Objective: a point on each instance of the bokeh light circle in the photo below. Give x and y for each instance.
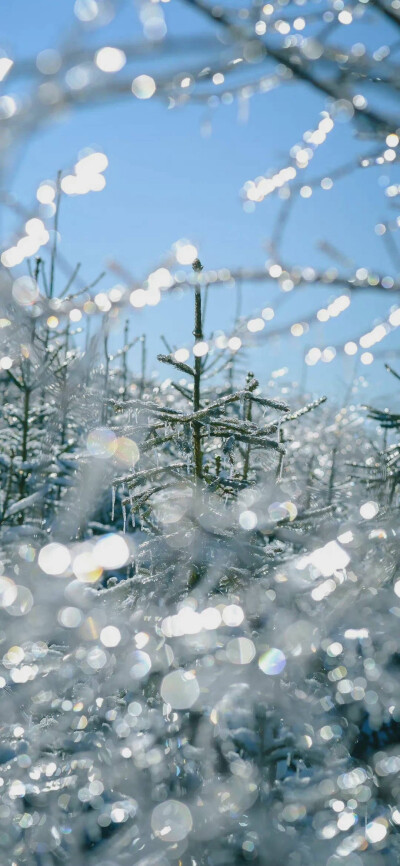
(272, 662)
(171, 821)
(180, 689)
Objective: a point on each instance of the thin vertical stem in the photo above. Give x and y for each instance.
(7, 493)
(204, 305)
(331, 485)
(64, 393)
(231, 372)
(106, 375)
(143, 366)
(310, 483)
(125, 360)
(87, 347)
(198, 335)
(55, 229)
(280, 463)
(247, 417)
(392, 489)
(24, 447)
(25, 424)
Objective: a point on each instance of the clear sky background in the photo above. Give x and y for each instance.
(168, 180)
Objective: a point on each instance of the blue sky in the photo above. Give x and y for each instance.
(166, 180)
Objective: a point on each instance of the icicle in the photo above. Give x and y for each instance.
(113, 494)
(124, 515)
(132, 508)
